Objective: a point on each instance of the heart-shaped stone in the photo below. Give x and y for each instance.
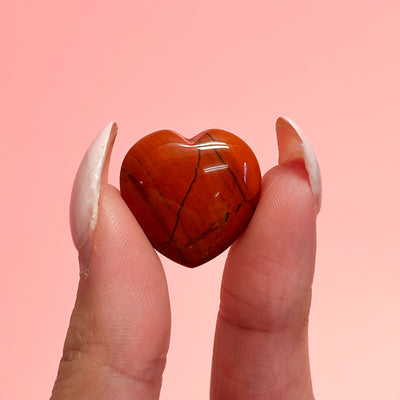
(192, 197)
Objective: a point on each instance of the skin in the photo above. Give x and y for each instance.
(118, 337)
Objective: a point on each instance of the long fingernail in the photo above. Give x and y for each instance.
(84, 205)
(294, 145)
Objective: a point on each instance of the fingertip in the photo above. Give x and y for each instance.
(261, 336)
(119, 237)
(286, 206)
(286, 190)
(271, 267)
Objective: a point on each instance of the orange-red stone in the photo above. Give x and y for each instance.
(192, 197)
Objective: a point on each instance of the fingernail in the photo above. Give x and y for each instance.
(84, 205)
(294, 145)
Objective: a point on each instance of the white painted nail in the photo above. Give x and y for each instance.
(84, 205)
(292, 145)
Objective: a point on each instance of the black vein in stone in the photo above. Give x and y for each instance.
(131, 177)
(157, 217)
(183, 201)
(150, 177)
(159, 220)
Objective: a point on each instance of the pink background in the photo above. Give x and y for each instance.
(333, 67)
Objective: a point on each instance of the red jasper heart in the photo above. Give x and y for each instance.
(192, 197)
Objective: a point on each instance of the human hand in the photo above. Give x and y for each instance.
(118, 337)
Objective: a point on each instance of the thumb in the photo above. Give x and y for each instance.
(118, 337)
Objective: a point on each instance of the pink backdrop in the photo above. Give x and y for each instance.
(333, 67)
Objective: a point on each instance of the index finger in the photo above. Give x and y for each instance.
(261, 345)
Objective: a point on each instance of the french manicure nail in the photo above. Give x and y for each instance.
(292, 145)
(92, 171)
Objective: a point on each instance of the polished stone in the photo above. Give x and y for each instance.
(192, 197)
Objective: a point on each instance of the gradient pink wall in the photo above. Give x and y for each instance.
(333, 67)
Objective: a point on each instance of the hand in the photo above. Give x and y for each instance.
(118, 336)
